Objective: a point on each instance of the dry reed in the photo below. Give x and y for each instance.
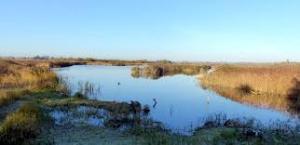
(269, 84)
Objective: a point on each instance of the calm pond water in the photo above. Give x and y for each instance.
(182, 103)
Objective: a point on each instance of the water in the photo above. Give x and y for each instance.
(182, 104)
(79, 115)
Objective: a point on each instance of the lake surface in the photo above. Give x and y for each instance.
(182, 104)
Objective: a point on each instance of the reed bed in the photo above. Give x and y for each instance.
(262, 85)
(14, 75)
(17, 77)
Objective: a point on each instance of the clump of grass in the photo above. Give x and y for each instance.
(136, 72)
(158, 70)
(21, 126)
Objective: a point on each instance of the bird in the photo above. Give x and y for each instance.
(155, 102)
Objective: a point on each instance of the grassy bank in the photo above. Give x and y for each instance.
(220, 130)
(266, 85)
(18, 80)
(220, 135)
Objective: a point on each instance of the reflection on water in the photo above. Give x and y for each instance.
(80, 115)
(293, 97)
(176, 101)
(156, 71)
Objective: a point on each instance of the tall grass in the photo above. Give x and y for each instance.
(16, 78)
(263, 85)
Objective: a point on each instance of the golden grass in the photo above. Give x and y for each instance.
(16, 77)
(21, 126)
(269, 84)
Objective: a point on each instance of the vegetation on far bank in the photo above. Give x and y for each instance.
(268, 85)
(47, 62)
(155, 71)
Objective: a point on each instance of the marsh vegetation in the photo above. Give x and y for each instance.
(37, 107)
(156, 71)
(267, 85)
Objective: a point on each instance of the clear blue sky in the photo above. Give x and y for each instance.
(195, 30)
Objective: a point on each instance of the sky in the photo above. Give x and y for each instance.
(180, 30)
